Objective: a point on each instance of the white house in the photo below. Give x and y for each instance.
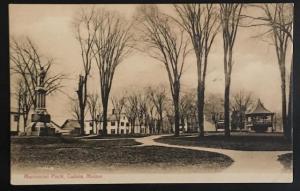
(124, 126)
(16, 122)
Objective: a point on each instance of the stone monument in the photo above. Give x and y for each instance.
(40, 120)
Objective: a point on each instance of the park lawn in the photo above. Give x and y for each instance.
(109, 155)
(286, 160)
(237, 141)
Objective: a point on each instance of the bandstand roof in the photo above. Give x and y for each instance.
(260, 110)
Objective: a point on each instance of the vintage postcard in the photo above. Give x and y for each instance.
(151, 93)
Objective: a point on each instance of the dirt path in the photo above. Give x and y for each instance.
(254, 164)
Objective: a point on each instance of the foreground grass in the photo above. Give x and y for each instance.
(237, 141)
(111, 155)
(286, 160)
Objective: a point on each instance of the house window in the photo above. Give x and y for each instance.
(127, 124)
(16, 117)
(112, 123)
(127, 131)
(122, 131)
(113, 131)
(124, 117)
(122, 123)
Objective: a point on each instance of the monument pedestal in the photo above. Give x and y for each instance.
(40, 120)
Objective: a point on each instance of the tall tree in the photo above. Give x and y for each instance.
(278, 18)
(94, 109)
(166, 45)
(113, 43)
(118, 104)
(230, 15)
(158, 97)
(131, 110)
(85, 33)
(201, 22)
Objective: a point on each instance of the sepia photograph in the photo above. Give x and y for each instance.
(151, 93)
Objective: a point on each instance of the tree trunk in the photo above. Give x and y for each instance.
(132, 126)
(200, 107)
(283, 107)
(118, 127)
(104, 103)
(290, 113)
(226, 106)
(176, 107)
(93, 129)
(160, 122)
(25, 118)
(176, 120)
(81, 120)
(18, 123)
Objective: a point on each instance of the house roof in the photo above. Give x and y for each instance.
(260, 109)
(71, 123)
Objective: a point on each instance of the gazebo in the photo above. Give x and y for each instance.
(260, 119)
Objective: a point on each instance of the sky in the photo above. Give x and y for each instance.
(49, 26)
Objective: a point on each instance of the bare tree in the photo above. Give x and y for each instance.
(230, 15)
(170, 114)
(74, 108)
(26, 63)
(158, 97)
(131, 110)
(24, 103)
(142, 109)
(113, 43)
(214, 107)
(151, 117)
(242, 102)
(201, 22)
(85, 33)
(167, 46)
(94, 108)
(118, 104)
(278, 19)
(187, 106)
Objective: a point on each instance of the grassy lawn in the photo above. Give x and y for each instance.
(286, 160)
(109, 155)
(237, 141)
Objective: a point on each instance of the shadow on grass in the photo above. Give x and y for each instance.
(237, 141)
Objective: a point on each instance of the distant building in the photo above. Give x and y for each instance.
(16, 122)
(71, 127)
(124, 126)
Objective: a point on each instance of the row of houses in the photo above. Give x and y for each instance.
(72, 127)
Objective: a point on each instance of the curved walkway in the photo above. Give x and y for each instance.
(245, 162)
